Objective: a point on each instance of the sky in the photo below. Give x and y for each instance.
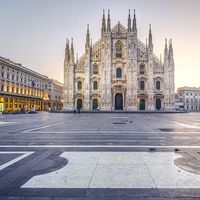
(34, 32)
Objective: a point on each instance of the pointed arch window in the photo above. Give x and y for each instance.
(142, 69)
(95, 85)
(119, 72)
(157, 85)
(119, 49)
(79, 85)
(95, 69)
(142, 85)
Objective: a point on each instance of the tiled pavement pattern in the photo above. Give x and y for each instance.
(146, 130)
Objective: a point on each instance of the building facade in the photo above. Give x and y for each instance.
(21, 89)
(189, 97)
(119, 72)
(55, 94)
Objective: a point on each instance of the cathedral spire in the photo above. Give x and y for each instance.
(67, 51)
(103, 27)
(171, 54)
(150, 37)
(129, 21)
(108, 22)
(166, 55)
(160, 59)
(146, 44)
(91, 42)
(165, 43)
(87, 43)
(77, 58)
(134, 23)
(72, 50)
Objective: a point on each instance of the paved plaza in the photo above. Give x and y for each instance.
(106, 156)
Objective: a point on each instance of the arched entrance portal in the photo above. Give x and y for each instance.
(142, 104)
(119, 101)
(94, 104)
(79, 104)
(158, 104)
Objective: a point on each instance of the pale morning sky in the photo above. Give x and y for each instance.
(33, 32)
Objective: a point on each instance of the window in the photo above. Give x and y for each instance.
(12, 89)
(95, 85)
(142, 86)
(2, 88)
(142, 69)
(13, 77)
(95, 69)
(8, 89)
(7, 76)
(79, 85)
(2, 74)
(118, 48)
(119, 72)
(157, 85)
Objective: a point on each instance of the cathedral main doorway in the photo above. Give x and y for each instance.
(79, 104)
(158, 104)
(118, 101)
(142, 104)
(94, 104)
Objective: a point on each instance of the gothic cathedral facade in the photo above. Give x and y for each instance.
(119, 72)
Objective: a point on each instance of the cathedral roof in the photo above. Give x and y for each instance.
(119, 28)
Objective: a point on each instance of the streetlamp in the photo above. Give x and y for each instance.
(33, 85)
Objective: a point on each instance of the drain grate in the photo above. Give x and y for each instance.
(166, 129)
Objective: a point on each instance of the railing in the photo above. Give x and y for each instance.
(119, 80)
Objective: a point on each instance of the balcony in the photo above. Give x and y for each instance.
(158, 91)
(119, 80)
(142, 91)
(142, 76)
(79, 92)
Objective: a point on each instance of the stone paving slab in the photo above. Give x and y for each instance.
(117, 170)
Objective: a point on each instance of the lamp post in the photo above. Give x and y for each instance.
(33, 85)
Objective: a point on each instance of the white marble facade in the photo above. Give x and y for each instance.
(119, 72)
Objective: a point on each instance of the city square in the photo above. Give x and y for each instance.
(99, 100)
(100, 156)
